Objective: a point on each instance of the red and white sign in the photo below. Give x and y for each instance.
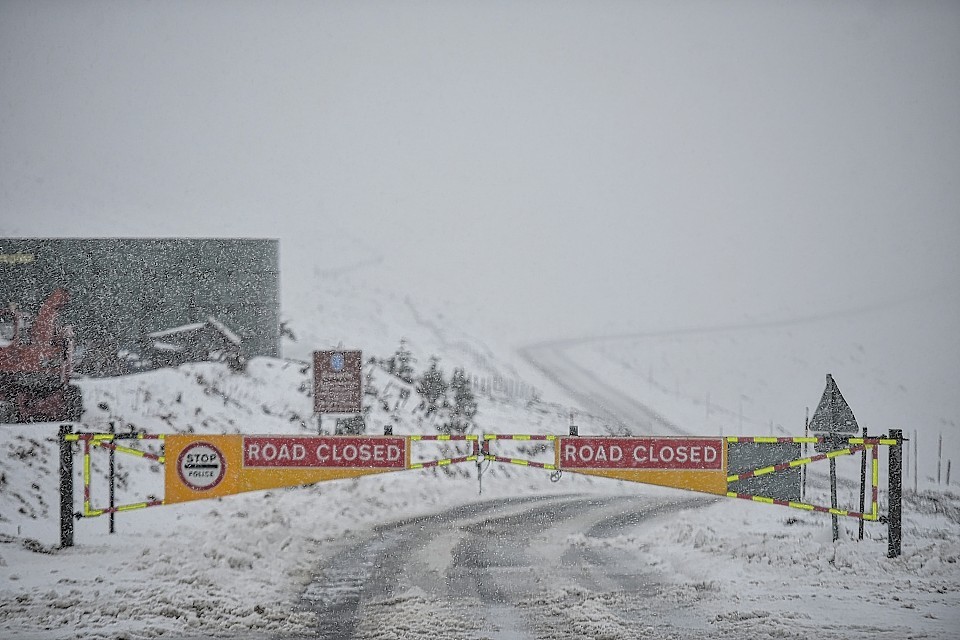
(364, 452)
(686, 454)
(201, 466)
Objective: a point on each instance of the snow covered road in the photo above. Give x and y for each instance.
(512, 570)
(517, 569)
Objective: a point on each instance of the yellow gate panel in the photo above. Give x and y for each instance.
(714, 482)
(210, 466)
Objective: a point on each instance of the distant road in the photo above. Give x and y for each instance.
(935, 292)
(629, 414)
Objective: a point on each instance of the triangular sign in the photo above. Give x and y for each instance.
(833, 414)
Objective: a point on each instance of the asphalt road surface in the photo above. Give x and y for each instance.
(525, 568)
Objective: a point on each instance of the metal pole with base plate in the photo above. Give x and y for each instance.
(112, 473)
(833, 498)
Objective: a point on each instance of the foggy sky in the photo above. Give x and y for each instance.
(571, 167)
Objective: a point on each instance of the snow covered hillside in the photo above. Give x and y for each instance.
(236, 567)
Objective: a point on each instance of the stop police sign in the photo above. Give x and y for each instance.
(641, 453)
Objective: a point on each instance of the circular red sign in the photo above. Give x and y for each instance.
(201, 466)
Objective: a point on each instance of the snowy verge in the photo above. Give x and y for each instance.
(763, 571)
(234, 566)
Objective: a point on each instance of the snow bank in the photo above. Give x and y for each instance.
(764, 571)
(232, 566)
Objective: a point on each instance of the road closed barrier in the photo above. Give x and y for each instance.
(198, 467)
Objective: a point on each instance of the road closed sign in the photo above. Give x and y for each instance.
(282, 452)
(218, 465)
(695, 464)
(642, 453)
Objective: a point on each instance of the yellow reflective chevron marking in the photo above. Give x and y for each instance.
(107, 437)
(441, 463)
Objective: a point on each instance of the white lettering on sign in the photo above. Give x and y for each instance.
(324, 451)
(359, 453)
(17, 258)
(681, 454)
(643, 453)
(269, 452)
(587, 453)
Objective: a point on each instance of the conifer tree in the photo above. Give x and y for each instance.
(402, 362)
(432, 388)
(464, 404)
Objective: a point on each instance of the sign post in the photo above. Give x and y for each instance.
(337, 383)
(833, 499)
(834, 420)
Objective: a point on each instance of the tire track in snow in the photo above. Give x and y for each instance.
(489, 570)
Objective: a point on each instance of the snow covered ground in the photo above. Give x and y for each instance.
(748, 571)
(236, 567)
(233, 566)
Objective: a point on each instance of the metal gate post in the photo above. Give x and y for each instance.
(894, 530)
(66, 487)
(806, 446)
(113, 480)
(863, 484)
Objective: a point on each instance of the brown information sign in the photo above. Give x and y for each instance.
(337, 381)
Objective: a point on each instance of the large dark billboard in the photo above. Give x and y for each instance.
(132, 298)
